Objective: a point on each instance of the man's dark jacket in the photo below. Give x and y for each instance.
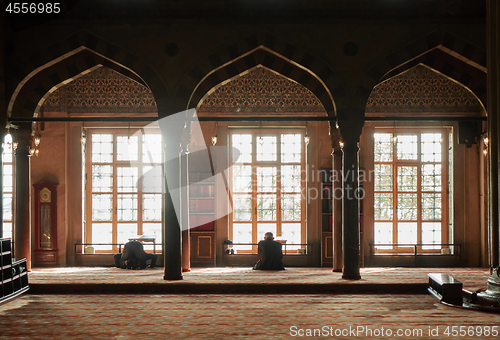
(270, 255)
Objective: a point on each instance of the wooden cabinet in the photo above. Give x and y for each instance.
(45, 223)
(203, 248)
(14, 275)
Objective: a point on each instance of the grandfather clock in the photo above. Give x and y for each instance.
(45, 224)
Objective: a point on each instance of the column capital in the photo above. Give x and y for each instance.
(23, 139)
(335, 139)
(350, 130)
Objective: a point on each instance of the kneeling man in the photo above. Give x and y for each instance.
(134, 256)
(270, 254)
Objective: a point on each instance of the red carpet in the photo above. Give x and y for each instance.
(84, 280)
(232, 316)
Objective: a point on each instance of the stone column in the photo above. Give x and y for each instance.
(172, 249)
(350, 132)
(493, 65)
(186, 246)
(337, 201)
(22, 201)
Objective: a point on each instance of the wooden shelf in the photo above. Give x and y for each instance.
(326, 218)
(13, 274)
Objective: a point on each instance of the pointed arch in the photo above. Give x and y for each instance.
(38, 76)
(444, 52)
(271, 52)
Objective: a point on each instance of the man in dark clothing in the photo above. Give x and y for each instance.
(270, 254)
(134, 256)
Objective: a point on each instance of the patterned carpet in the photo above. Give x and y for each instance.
(237, 316)
(48, 312)
(105, 280)
(94, 275)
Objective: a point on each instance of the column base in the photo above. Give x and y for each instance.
(173, 278)
(337, 270)
(351, 277)
(186, 270)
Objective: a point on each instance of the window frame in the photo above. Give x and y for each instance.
(278, 163)
(12, 164)
(115, 164)
(418, 163)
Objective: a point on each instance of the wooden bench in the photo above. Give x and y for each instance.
(445, 288)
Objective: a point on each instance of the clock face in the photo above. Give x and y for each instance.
(45, 195)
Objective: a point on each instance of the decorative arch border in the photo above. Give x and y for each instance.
(49, 69)
(472, 78)
(271, 52)
(425, 51)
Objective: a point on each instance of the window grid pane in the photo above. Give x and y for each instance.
(7, 230)
(266, 207)
(152, 178)
(383, 147)
(127, 207)
(290, 178)
(127, 148)
(383, 207)
(383, 177)
(407, 207)
(7, 178)
(267, 148)
(291, 148)
(242, 233)
(242, 178)
(102, 233)
(102, 148)
(242, 142)
(291, 207)
(7, 207)
(407, 233)
(431, 234)
(266, 179)
(102, 207)
(127, 179)
(406, 147)
(431, 147)
(291, 232)
(383, 234)
(102, 178)
(126, 231)
(407, 178)
(431, 206)
(242, 207)
(431, 177)
(151, 207)
(151, 148)
(154, 230)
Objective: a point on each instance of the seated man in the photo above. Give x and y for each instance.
(134, 256)
(270, 254)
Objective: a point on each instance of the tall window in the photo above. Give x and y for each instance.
(267, 183)
(410, 189)
(8, 178)
(119, 205)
